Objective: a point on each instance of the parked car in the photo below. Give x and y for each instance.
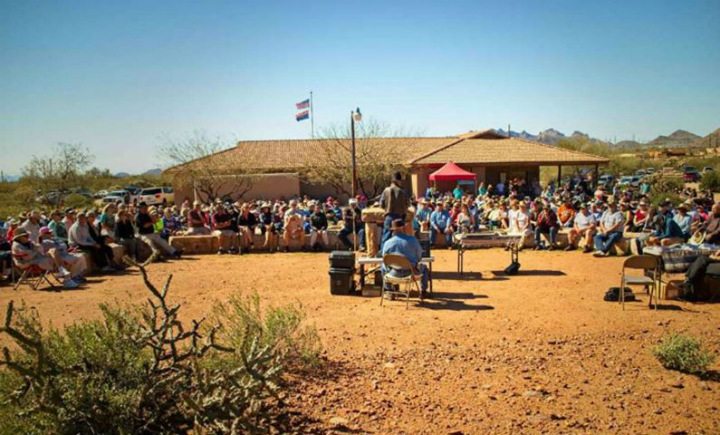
(606, 179)
(649, 171)
(641, 173)
(691, 175)
(707, 169)
(110, 199)
(156, 195)
(625, 180)
(118, 196)
(101, 194)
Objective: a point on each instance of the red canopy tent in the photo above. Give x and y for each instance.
(452, 172)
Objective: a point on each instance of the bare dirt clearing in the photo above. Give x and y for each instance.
(537, 352)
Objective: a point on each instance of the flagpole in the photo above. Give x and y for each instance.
(312, 118)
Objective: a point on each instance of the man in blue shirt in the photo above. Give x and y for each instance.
(409, 247)
(440, 224)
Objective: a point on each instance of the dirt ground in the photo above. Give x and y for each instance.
(536, 352)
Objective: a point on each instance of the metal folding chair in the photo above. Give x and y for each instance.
(647, 263)
(32, 275)
(397, 261)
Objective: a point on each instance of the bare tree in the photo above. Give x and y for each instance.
(378, 154)
(209, 165)
(59, 171)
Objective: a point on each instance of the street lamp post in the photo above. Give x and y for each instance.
(355, 116)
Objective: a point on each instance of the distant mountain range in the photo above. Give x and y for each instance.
(710, 141)
(155, 171)
(677, 139)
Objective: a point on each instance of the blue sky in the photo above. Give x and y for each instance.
(118, 75)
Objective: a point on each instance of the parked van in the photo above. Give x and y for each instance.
(156, 195)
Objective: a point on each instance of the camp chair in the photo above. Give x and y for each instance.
(33, 275)
(397, 261)
(647, 263)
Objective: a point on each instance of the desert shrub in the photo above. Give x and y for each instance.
(683, 353)
(710, 181)
(139, 370)
(281, 328)
(75, 200)
(667, 185)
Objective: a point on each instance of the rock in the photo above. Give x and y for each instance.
(704, 386)
(389, 365)
(339, 421)
(678, 384)
(532, 393)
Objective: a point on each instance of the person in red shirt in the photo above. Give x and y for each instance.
(547, 223)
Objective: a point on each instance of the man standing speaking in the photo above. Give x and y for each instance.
(395, 202)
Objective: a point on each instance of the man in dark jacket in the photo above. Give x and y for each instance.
(395, 201)
(318, 227)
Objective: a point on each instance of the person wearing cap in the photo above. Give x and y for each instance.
(421, 221)
(409, 247)
(197, 224)
(440, 224)
(352, 221)
(26, 254)
(395, 201)
(145, 223)
(610, 229)
(32, 226)
(57, 226)
(584, 225)
(58, 251)
(682, 218)
(666, 231)
(80, 237)
(319, 226)
(69, 219)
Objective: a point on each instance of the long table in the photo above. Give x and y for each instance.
(376, 262)
(488, 239)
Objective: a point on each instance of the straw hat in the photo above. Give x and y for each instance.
(21, 232)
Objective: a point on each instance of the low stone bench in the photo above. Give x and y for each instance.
(195, 244)
(208, 244)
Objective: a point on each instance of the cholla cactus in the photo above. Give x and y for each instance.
(159, 376)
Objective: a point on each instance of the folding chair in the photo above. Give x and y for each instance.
(397, 261)
(33, 275)
(647, 263)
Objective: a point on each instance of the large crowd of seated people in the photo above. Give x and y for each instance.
(595, 218)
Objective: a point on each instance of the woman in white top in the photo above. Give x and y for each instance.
(520, 223)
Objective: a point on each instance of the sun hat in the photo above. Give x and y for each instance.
(21, 232)
(45, 230)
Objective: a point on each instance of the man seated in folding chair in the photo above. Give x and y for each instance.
(409, 247)
(29, 258)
